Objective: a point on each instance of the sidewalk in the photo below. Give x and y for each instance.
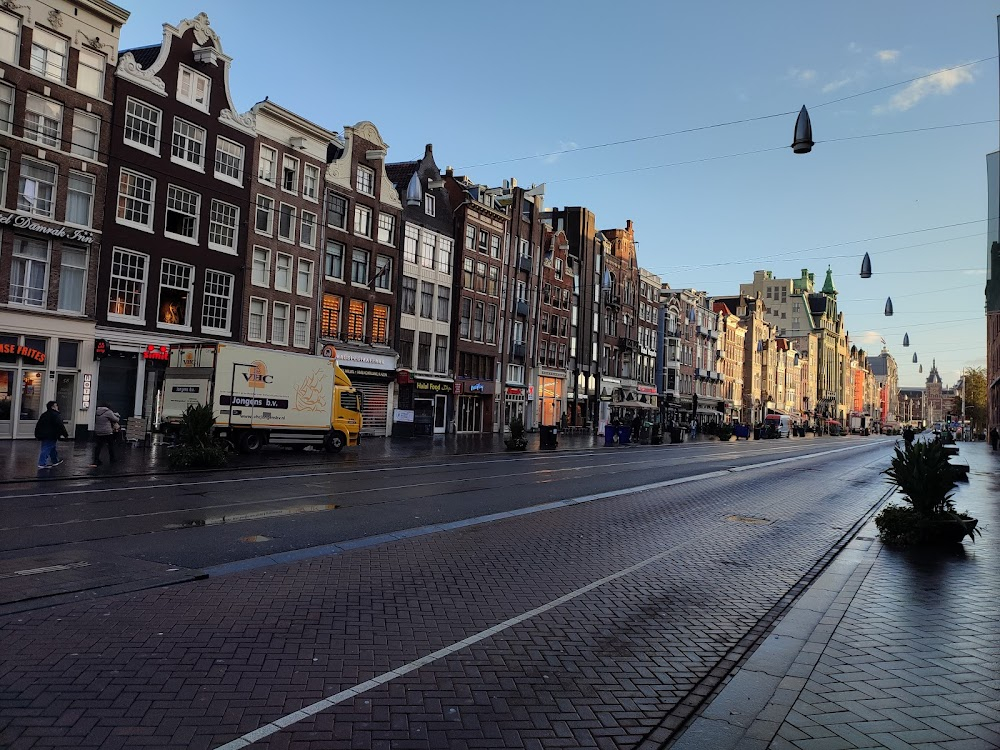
(887, 649)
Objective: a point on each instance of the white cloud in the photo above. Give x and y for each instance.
(834, 85)
(887, 55)
(801, 76)
(868, 337)
(853, 47)
(563, 147)
(942, 82)
(975, 272)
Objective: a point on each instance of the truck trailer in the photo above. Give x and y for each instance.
(262, 396)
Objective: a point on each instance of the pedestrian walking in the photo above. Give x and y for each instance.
(49, 429)
(694, 428)
(107, 425)
(994, 437)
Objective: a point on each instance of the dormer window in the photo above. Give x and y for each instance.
(429, 204)
(193, 88)
(365, 181)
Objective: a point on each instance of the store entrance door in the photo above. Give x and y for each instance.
(7, 380)
(440, 414)
(32, 406)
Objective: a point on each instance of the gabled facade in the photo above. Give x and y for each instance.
(648, 319)
(424, 308)
(56, 85)
(555, 329)
(360, 274)
(177, 211)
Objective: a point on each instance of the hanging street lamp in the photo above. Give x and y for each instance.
(906, 339)
(866, 267)
(803, 141)
(914, 358)
(888, 306)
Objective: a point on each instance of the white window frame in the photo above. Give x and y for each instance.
(286, 309)
(310, 182)
(172, 267)
(64, 275)
(430, 204)
(286, 209)
(285, 270)
(307, 238)
(22, 185)
(11, 27)
(383, 279)
(29, 261)
(364, 180)
(267, 155)
(343, 257)
(347, 208)
(362, 216)
(168, 208)
(125, 198)
(54, 122)
(6, 105)
(217, 229)
(99, 64)
(184, 140)
(390, 220)
(89, 179)
(80, 119)
(44, 59)
(304, 277)
(294, 171)
(301, 324)
(138, 112)
(264, 280)
(143, 286)
(266, 207)
(230, 155)
(213, 280)
(263, 320)
(188, 78)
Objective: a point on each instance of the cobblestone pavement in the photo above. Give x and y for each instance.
(578, 627)
(889, 649)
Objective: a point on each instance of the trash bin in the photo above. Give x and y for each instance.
(610, 434)
(624, 435)
(548, 435)
(676, 435)
(758, 433)
(656, 435)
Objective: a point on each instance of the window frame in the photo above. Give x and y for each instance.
(295, 173)
(99, 70)
(369, 182)
(286, 210)
(75, 146)
(143, 286)
(356, 266)
(311, 176)
(189, 307)
(271, 176)
(191, 97)
(387, 224)
(6, 107)
(73, 174)
(64, 277)
(38, 33)
(266, 210)
(184, 159)
(383, 273)
(240, 161)
(131, 106)
(15, 47)
(330, 197)
(212, 222)
(325, 310)
(279, 285)
(28, 262)
(408, 296)
(430, 204)
(305, 327)
(362, 215)
(287, 308)
(310, 241)
(310, 276)
(262, 336)
(191, 239)
(38, 134)
(265, 280)
(326, 259)
(207, 308)
(381, 315)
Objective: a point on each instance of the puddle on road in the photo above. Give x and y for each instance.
(746, 519)
(256, 515)
(255, 538)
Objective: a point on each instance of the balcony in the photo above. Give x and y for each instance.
(521, 308)
(524, 263)
(612, 300)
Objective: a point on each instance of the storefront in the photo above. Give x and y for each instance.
(473, 405)
(374, 375)
(515, 398)
(551, 401)
(131, 367)
(423, 405)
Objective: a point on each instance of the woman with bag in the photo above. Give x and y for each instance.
(107, 424)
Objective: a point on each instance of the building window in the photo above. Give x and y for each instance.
(359, 267)
(36, 187)
(264, 221)
(310, 181)
(183, 208)
(356, 320)
(406, 349)
(329, 324)
(408, 299)
(444, 255)
(228, 160)
(257, 321)
(48, 54)
(283, 272)
(362, 220)
(72, 279)
(29, 272)
(307, 233)
(300, 334)
(6, 99)
(477, 322)
(267, 164)
(468, 273)
(480, 276)
(387, 229)
(334, 268)
(430, 203)
(86, 139)
(90, 73)
(491, 324)
(142, 125)
(279, 323)
(444, 304)
(289, 173)
(218, 302)
(260, 269)
(559, 268)
(441, 354)
(193, 88)
(365, 181)
(286, 222)
(176, 287)
(135, 199)
(43, 120)
(470, 237)
(424, 351)
(410, 238)
(9, 28)
(222, 223)
(383, 273)
(336, 211)
(188, 145)
(484, 241)
(127, 293)
(380, 324)
(426, 300)
(493, 286)
(465, 318)
(304, 279)
(494, 247)
(427, 250)
(80, 199)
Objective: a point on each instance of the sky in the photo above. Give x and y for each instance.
(535, 89)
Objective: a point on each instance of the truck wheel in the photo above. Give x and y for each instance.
(251, 441)
(334, 442)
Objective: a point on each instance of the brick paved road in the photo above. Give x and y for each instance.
(198, 665)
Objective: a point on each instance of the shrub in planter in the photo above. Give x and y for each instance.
(197, 446)
(725, 432)
(516, 441)
(925, 478)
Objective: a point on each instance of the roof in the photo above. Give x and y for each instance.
(879, 365)
(144, 56)
(400, 173)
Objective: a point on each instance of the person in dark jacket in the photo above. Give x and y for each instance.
(49, 429)
(106, 423)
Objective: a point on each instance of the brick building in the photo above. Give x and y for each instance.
(554, 329)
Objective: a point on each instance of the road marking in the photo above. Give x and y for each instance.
(332, 700)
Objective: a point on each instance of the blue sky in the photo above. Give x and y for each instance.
(490, 82)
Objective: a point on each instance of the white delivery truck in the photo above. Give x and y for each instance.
(262, 396)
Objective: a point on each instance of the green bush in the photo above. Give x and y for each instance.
(197, 445)
(725, 432)
(904, 526)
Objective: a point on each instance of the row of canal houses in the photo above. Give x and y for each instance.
(141, 209)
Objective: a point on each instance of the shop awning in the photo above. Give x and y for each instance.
(635, 405)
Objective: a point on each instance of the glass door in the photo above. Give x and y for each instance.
(66, 396)
(7, 380)
(32, 405)
(440, 413)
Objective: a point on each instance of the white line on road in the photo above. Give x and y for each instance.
(304, 713)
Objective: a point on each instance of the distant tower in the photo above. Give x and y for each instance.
(828, 288)
(933, 400)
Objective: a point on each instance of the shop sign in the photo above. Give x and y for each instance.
(430, 386)
(101, 348)
(88, 380)
(650, 389)
(514, 391)
(368, 373)
(477, 388)
(456, 388)
(26, 222)
(23, 351)
(402, 415)
(157, 353)
(374, 361)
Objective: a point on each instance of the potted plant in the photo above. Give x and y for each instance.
(925, 478)
(516, 441)
(725, 432)
(197, 446)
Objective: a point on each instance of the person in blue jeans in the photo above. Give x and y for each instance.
(49, 429)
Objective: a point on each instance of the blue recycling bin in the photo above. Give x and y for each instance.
(624, 435)
(610, 433)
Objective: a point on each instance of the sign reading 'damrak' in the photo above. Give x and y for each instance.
(26, 222)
